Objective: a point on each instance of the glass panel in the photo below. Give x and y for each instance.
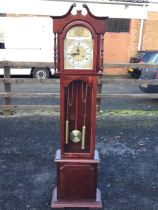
(78, 49)
(117, 25)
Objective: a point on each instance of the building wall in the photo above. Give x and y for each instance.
(119, 47)
(150, 35)
(116, 50)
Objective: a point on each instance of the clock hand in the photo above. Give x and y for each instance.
(74, 54)
(78, 50)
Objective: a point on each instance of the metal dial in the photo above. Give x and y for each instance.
(78, 54)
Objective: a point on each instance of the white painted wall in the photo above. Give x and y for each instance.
(60, 8)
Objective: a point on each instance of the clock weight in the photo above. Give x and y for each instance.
(84, 100)
(69, 105)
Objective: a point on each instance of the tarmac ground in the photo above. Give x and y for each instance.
(127, 174)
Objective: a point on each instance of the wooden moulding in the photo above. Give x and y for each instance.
(59, 159)
(93, 204)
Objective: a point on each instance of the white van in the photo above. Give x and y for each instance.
(28, 55)
(28, 39)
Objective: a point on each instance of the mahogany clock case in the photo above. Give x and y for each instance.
(78, 59)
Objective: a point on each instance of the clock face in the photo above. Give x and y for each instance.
(78, 50)
(78, 54)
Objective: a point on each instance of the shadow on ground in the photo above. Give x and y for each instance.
(128, 172)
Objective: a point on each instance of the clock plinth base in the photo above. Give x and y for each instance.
(76, 183)
(90, 203)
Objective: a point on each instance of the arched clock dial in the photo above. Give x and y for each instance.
(78, 49)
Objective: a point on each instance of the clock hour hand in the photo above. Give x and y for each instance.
(74, 54)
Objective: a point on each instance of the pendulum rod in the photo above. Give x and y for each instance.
(76, 111)
(84, 100)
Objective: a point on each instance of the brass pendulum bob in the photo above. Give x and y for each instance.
(75, 136)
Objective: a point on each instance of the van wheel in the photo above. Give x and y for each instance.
(40, 73)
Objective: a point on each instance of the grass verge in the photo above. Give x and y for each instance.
(117, 112)
(128, 112)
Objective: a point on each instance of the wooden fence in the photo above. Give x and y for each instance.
(7, 81)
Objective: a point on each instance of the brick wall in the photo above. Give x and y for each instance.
(119, 47)
(150, 35)
(116, 50)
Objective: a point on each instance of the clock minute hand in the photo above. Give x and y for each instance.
(78, 50)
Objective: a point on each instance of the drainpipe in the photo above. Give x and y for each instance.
(140, 34)
(140, 38)
(2, 45)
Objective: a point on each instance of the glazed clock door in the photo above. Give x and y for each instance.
(78, 131)
(78, 49)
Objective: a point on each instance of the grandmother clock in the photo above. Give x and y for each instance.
(78, 59)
